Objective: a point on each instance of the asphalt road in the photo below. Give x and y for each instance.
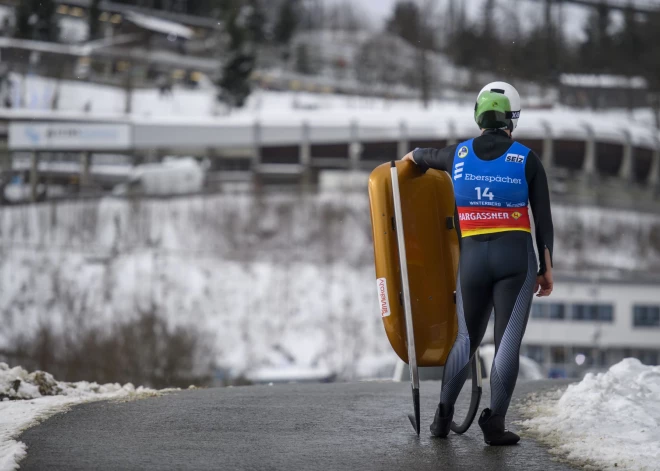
(356, 426)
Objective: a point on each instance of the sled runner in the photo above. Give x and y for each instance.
(416, 253)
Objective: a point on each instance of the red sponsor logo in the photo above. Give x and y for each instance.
(483, 215)
(484, 219)
(383, 298)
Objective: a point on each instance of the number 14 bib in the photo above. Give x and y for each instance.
(491, 196)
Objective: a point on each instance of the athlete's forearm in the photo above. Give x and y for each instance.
(544, 243)
(544, 230)
(539, 200)
(545, 281)
(438, 159)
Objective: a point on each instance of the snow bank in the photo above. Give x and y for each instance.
(28, 398)
(610, 420)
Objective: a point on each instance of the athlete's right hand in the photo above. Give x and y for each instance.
(545, 281)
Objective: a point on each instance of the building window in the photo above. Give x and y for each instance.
(649, 357)
(558, 355)
(593, 312)
(548, 311)
(646, 316)
(535, 352)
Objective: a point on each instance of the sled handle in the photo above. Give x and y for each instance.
(405, 285)
(405, 288)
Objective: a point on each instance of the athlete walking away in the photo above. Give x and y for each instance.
(494, 179)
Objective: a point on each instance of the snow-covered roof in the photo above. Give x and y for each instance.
(602, 81)
(285, 126)
(188, 122)
(290, 374)
(45, 47)
(73, 30)
(159, 25)
(84, 49)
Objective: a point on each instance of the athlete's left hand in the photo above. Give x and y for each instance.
(545, 283)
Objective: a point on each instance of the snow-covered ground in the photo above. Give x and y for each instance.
(610, 421)
(33, 92)
(29, 398)
(281, 280)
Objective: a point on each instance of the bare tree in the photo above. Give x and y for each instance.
(379, 60)
(411, 22)
(345, 16)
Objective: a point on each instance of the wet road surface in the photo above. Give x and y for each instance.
(361, 426)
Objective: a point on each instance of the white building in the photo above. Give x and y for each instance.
(588, 325)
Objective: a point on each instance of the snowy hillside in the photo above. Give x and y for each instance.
(279, 280)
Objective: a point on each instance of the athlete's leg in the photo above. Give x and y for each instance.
(473, 307)
(513, 257)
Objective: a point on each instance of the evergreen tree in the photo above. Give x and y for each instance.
(553, 47)
(235, 86)
(35, 19)
(489, 57)
(240, 59)
(313, 16)
(256, 22)
(595, 52)
(47, 26)
(513, 41)
(532, 61)
(488, 29)
(649, 62)
(464, 44)
(406, 22)
(23, 12)
(540, 54)
(287, 21)
(630, 44)
(378, 61)
(94, 23)
(410, 24)
(344, 16)
(302, 64)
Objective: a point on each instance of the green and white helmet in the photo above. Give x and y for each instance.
(497, 107)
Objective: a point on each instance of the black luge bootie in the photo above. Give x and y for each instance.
(442, 421)
(494, 432)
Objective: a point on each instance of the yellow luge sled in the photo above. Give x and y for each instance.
(416, 253)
